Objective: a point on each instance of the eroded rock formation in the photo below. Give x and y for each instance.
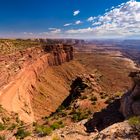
(19, 73)
(130, 102)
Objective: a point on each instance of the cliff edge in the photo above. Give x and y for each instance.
(130, 101)
(19, 73)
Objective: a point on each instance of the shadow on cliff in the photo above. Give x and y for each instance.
(105, 118)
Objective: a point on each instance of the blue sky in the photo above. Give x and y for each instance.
(56, 18)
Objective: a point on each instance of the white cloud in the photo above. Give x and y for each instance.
(123, 18)
(90, 19)
(76, 12)
(56, 31)
(52, 28)
(67, 24)
(53, 31)
(27, 33)
(78, 22)
(96, 23)
(77, 31)
(120, 21)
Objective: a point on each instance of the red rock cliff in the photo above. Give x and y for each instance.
(19, 72)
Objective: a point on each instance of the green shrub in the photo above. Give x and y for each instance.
(43, 130)
(2, 127)
(118, 94)
(22, 133)
(134, 120)
(78, 116)
(57, 125)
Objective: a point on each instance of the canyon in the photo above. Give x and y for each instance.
(62, 90)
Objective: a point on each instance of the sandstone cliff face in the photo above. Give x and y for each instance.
(19, 73)
(130, 102)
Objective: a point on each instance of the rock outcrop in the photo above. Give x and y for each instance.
(60, 53)
(19, 73)
(130, 101)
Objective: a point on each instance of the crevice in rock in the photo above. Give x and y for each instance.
(77, 87)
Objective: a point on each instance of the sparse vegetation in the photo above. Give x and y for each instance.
(22, 133)
(57, 125)
(79, 115)
(42, 130)
(2, 127)
(8, 46)
(118, 94)
(135, 120)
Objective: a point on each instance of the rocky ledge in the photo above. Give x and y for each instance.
(130, 101)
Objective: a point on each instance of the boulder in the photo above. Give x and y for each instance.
(130, 101)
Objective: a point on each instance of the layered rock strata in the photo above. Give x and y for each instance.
(19, 73)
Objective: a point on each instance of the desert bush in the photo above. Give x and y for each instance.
(118, 94)
(135, 120)
(2, 127)
(22, 133)
(57, 125)
(79, 115)
(135, 124)
(43, 130)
